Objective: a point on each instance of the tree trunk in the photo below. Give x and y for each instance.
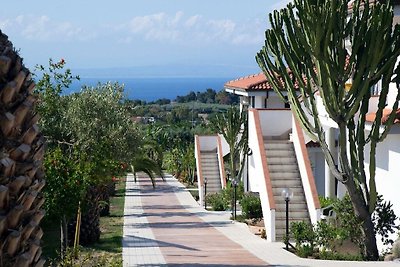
(370, 248)
(90, 221)
(21, 159)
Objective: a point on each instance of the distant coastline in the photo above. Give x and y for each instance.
(153, 88)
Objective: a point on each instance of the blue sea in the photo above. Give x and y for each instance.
(150, 89)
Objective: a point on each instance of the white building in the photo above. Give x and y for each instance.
(270, 168)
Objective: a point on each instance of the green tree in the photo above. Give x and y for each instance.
(65, 178)
(104, 136)
(309, 38)
(51, 81)
(233, 126)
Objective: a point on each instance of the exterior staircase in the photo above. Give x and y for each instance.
(210, 170)
(284, 173)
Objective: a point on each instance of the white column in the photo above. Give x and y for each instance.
(329, 178)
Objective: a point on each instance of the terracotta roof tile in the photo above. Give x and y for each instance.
(256, 82)
(370, 117)
(251, 82)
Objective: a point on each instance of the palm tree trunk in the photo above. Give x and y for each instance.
(21, 157)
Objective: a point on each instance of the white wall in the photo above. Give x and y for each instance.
(225, 146)
(275, 122)
(388, 171)
(255, 167)
(208, 142)
(257, 181)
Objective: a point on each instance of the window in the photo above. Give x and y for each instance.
(253, 101)
(287, 105)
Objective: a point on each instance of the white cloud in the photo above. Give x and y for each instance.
(43, 28)
(144, 23)
(174, 28)
(192, 21)
(178, 28)
(281, 4)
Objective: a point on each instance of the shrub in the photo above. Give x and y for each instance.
(251, 206)
(325, 201)
(346, 222)
(326, 235)
(216, 200)
(303, 234)
(384, 220)
(228, 191)
(224, 199)
(329, 255)
(305, 251)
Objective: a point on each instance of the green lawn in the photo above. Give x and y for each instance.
(106, 252)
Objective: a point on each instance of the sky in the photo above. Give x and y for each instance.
(88, 34)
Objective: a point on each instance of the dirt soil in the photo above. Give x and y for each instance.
(255, 226)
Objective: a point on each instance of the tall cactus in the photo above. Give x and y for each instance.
(318, 46)
(21, 154)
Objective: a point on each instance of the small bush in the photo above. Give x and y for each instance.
(251, 206)
(228, 192)
(347, 223)
(384, 220)
(305, 251)
(325, 201)
(216, 201)
(329, 255)
(303, 234)
(326, 235)
(224, 199)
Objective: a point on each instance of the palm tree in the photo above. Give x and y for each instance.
(149, 159)
(21, 156)
(233, 126)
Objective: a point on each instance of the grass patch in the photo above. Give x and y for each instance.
(106, 252)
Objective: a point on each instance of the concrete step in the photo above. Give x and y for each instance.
(280, 217)
(279, 153)
(213, 184)
(213, 189)
(278, 146)
(296, 199)
(208, 156)
(286, 183)
(211, 176)
(291, 168)
(209, 162)
(206, 169)
(281, 160)
(297, 191)
(292, 206)
(286, 175)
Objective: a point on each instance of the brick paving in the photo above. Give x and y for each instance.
(160, 231)
(167, 227)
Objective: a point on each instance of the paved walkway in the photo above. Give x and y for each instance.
(166, 227)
